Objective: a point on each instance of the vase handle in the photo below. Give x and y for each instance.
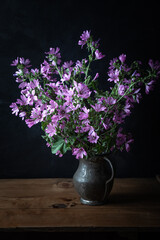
(112, 175)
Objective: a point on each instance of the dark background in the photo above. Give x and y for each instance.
(28, 29)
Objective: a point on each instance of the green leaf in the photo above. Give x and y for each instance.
(43, 125)
(134, 97)
(57, 145)
(60, 145)
(65, 148)
(72, 139)
(90, 57)
(44, 137)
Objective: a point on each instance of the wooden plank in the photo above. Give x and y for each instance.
(54, 204)
(63, 218)
(43, 193)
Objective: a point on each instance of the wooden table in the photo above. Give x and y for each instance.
(53, 205)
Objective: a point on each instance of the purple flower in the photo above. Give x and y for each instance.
(35, 84)
(135, 74)
(113, 76)
(15, 109)
(54, 56)
(45, 69)
(84, 37)
(33, 97)
(23, 85)
(138, 95)
(27, 97)
(126, 68)
(55, 86)
(59, 153)
(121, 90)
(60, 90)
(79, 152)
(68, 95)
(82, 89)
(66, 77)
(84, 115)
(127, 81)
(79, 66)
(39, 113)
(151, 63)
(127, 144)
(149, 86)
(35, 71)
(29, 122)
(96, 43)
(67, 64)
(36, 115)
(60, 96)
(122, 58)
(98, 107)
(85, 127)
(73, 106)
(24, 100)
(127, 109)
(154, 65)
(51, 129)
(22, 115)
(55, 52)
(96, 76)
(19, 79)
(110, 100)
(25, 62)
(19, 73)
(93, 137)
(55, 119)
(106, 124)
(48, 144)
(15, 62)
(53, 105)
(21, 61)
(112, 62)
(63, 112)
(98, 54)
(62, 125)
(121, 138)
(118, 117)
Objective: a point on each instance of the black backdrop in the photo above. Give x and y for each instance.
(28, 29)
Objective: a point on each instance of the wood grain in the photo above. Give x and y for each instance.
(53, 204)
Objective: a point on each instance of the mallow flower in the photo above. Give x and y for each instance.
(79, 152)
(74, 113)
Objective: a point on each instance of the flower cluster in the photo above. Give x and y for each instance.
(73, 112)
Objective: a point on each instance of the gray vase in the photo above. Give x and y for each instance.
(93, 180)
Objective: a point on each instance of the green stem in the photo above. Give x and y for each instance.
(126, 92)
(90, 59)
(86, 73)
(58, 71)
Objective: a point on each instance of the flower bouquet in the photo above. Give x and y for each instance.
(74, 113)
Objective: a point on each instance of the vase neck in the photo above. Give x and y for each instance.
(95, 158)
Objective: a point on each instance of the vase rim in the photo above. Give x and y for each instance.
(94, 158)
